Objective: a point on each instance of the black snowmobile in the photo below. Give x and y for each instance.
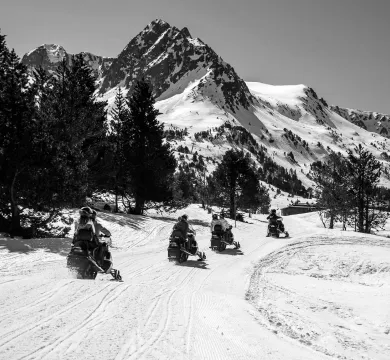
(220, 239)
(276, 228)
(179, 249)
(86, 262)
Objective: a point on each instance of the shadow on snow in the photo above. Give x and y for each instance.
(233, 252)
(59, 246)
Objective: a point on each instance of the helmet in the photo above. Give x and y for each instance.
(215, 217)
(273, 211)
(85, 211)
(179, 218)
(184, 217)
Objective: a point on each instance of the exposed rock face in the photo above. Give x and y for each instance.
(48, 56)
(167, 57)
(368, 120)
(195, 88)
(170, 59)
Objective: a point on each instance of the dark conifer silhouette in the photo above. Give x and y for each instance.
(149, 161)
(237, 183)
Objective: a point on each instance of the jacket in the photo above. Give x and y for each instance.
(183, 227)
(272, 218)
(89, 226)
(225, 225)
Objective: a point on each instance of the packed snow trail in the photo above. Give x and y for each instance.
(162, 310)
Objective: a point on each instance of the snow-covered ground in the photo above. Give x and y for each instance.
(322, 294)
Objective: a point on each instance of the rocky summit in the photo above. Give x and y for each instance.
(197, 91)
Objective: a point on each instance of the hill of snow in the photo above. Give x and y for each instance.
(197, 90)
(368, 120)
(322, 294)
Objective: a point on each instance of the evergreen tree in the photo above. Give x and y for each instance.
(120, 114)
(50, 132)
(72, 124)
(150, 164)
(16, 131)
(236, 183)
(365, 172)
(333, 185)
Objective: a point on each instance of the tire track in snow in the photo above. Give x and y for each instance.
(212, 348)
(45, 297)
(94, 318)
(168, 311)
(288, 325)
(166, 314)
(8, 281)
(16, 333)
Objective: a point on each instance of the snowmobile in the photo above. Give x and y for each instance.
(277, 228)
(85, 262)
(220, 239)
(179, 249)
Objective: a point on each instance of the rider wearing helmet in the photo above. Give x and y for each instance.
(272, 219)
(85, 232)
(84, 222)
(182, 226)
(221, 221)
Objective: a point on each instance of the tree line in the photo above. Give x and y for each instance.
(348, 191)
(57, 147)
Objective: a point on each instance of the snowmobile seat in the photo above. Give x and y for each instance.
(177, 233)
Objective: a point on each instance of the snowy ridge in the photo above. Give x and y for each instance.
(368, 120)
(196, 89)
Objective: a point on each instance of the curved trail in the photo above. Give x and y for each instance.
(162, 310)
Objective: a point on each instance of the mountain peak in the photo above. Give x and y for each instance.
(185, 32)
(54, 52)
(157, 26)
(159, 22)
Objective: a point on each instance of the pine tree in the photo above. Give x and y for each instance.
(16, 128)
(120, 115)
(73, 129)
(149, 161)
(237, 183)
(333, 183)
(365, 172)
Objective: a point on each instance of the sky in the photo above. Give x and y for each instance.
(338, 47)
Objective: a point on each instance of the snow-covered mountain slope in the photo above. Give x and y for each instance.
(369, 120)
(317, 296)
(172, 61)
(198, 91)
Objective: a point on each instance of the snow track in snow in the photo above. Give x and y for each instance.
(194, 310)
(327, 293)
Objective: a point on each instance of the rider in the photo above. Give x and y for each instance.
(85, 223)
(182, 226)
(103, 248)
(221, 221)
(272, 219)
(225, 226)
(99, 228)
